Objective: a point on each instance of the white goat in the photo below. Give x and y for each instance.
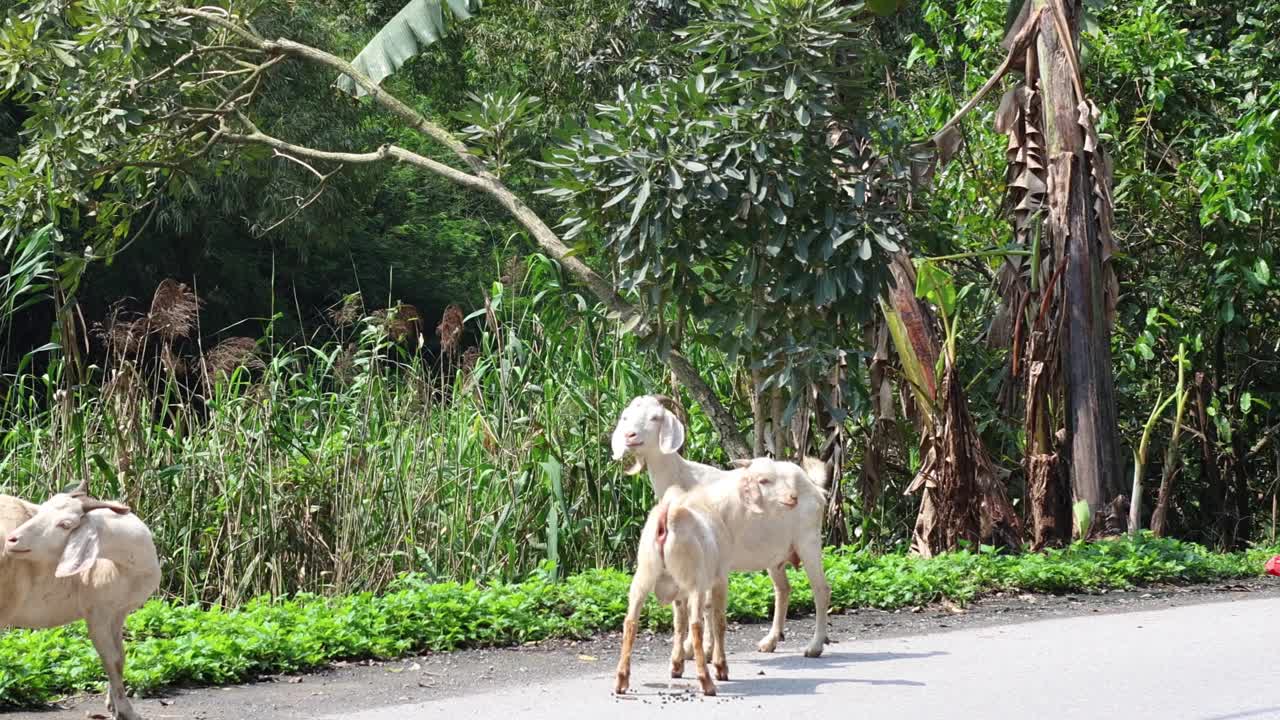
(652, 433)
(72, 558)
(759, 517)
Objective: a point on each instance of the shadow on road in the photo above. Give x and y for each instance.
(770, 687)
(748, 683)
(838, 659)
(1271, 712)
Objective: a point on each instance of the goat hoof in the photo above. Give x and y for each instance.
(623, 682)
(708, 687)
(677, 669)
(813, 652)
(767, 645)
(722, 671)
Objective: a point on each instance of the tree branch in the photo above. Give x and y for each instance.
(478, 179)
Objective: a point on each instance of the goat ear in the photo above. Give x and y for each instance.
(749, 491)
(671, 434)
(91, 504)
(81, 551)
(31, 508)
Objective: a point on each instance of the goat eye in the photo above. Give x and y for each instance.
(65, 524)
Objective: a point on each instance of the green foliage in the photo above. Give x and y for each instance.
(1187, 93)
(172, 644)
(498, 122)
(343, 463)
(748, 190)
(164, 205)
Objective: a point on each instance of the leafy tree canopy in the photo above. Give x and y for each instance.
(749, 187)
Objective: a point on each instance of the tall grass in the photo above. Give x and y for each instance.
(339, 465)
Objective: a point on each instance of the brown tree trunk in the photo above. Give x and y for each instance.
(882, 412)
(1172, 464)
(1048, 494)
(1213, 495)
(777, 404)
(1093, 463)
(1242, 528)
(757, 416)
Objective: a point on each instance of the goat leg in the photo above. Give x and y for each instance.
(719, 608)
(811, 554)
(781, 599)
(107, 634)
(697, 605)
(680, 633)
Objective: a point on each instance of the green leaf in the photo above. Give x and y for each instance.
(937, 287)
(618, 198)
(638, 204)
(1084, 517)
(674, 181)
(784, 194)
(883, 7)
(789, 90)
(1246, 402)
(64, 56)
(631, 324)
(418, 24)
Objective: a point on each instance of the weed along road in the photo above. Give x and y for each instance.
(1213, 661)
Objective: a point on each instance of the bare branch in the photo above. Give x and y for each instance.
(321, 176)
(221, 18)
(386, 152)
(302, 203)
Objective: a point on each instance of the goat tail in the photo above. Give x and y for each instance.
(816, 470)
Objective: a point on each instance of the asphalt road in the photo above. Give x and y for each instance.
(1218, 661)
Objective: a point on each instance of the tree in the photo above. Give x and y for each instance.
(746, 198)
(1059, 291)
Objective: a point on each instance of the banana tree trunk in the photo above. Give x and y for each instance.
(1078, 222)
(962, 500)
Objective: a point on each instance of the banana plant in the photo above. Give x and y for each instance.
(418, 25)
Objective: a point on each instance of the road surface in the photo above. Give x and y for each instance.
(1195, 653)
(1217, 661)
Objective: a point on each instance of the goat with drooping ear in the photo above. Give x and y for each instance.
(756, 518)
(75, 557)
(651, 430)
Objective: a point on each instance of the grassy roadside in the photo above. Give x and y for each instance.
(171, 644)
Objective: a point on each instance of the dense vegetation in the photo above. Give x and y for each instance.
(175, 644)
(309, 380)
